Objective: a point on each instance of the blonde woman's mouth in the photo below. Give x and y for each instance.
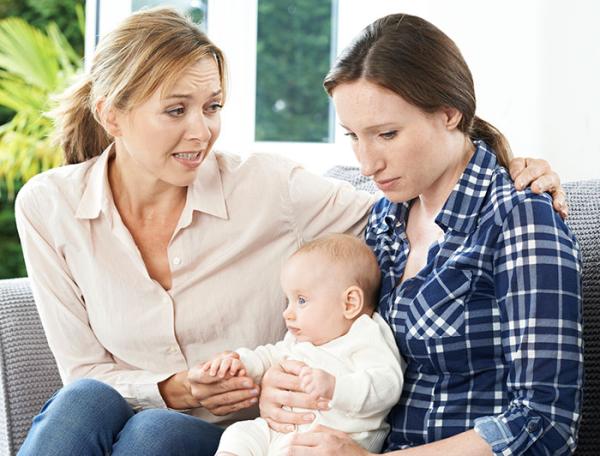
(189, 159)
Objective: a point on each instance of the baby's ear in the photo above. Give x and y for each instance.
(354, 300)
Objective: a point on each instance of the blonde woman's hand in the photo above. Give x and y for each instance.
(221, 396)
(197, 388)
(538, 174)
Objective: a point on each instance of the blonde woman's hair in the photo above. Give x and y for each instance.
(148, 49)
(357, 259)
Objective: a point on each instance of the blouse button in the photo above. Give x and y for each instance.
(532, 426)
(176, 261)
(173, 349)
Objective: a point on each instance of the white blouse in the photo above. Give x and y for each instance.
(105, 318)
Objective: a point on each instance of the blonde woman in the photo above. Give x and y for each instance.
(149, 252)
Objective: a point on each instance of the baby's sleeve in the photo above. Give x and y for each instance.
(259, 360)
(375, 385)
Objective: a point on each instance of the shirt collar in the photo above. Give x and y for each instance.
(394, 216)
(96, 193)
(461, 210)
(205, 194)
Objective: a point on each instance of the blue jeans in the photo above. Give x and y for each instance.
(90, 418)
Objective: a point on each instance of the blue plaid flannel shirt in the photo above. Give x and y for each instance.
(491, 327)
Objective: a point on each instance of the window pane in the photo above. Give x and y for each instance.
(293, 49)
(196, 9)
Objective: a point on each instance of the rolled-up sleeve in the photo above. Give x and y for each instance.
(537, 275)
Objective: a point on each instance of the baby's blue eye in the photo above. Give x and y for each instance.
(301, 300)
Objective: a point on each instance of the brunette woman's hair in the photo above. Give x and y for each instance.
(416, 60)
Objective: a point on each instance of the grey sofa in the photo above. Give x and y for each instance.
(28, 373)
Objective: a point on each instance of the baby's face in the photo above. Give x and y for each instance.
(315, 293)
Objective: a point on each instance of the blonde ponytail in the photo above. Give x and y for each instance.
(76, 130)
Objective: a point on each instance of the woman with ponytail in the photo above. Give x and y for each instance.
(480, 281)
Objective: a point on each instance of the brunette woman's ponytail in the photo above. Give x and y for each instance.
(480, 129)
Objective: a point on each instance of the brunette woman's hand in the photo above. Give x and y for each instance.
(324, 441)
(538, 174)
(281, 388)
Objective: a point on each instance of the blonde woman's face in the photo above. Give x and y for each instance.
(168, 136)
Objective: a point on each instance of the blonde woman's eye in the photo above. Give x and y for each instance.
(214, 107)
(301, 300)
(352, 136)
(389, 134)
(176, 112)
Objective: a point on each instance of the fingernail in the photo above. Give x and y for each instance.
(253, 400)
(254, 392)
(323, 405)
(247, 384)
(289, 427)
(308, 417)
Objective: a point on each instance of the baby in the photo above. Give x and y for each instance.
(352, 359)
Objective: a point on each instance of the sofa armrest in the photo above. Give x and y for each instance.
(28, 372)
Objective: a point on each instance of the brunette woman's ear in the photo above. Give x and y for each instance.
(354, 301)
(452, 117)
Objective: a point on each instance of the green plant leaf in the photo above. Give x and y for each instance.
(27, 52)
(33, 65)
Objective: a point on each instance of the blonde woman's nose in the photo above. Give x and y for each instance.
(198, 129)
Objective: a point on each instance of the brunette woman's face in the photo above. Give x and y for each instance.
(169, 135)
(397, 144)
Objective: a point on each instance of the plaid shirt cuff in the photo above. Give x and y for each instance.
(497, 433)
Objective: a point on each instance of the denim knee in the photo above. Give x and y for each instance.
(162, 431)
(84, 416)
(91, 392)
(87, 393)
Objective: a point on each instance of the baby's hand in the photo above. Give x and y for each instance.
(226, 364)
(317, 383)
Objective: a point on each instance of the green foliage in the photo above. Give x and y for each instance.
(12, 264)
(33, 65)
(40, 13)
(291, 104)
(36, 60)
